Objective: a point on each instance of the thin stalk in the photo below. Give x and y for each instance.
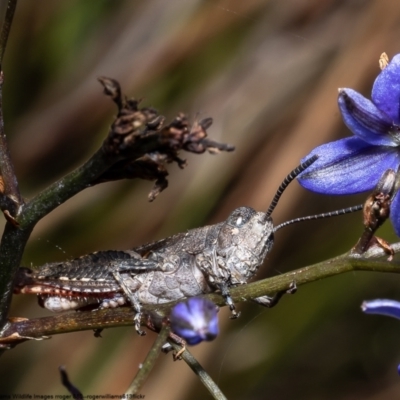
(148, 364)
(205, 379)
(12, 4)
(13, 241)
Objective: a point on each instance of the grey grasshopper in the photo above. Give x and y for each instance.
(202, 260)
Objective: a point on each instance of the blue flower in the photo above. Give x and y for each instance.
(195, 320)
(355, 164)
(390, 308)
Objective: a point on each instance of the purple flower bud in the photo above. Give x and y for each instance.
(195, 320)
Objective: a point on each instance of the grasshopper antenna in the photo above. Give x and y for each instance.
(336, 213)
(376, 208)
(296, 172)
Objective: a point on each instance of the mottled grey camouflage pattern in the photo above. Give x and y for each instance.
(199, 261)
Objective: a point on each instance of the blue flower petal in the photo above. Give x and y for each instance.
(348, 166)
(386, 90)
(390, 308)
(365, 120)
(195, 320)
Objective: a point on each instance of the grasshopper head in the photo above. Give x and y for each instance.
(243, 242)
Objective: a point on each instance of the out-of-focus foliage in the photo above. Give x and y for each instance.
(268, 73)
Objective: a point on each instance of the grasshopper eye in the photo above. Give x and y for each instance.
(240, 216)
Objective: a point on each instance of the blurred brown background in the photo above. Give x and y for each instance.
(268, 73)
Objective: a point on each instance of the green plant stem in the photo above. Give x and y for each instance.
(71, 322)
(148, 363)
(322, 270)
(10, 181)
